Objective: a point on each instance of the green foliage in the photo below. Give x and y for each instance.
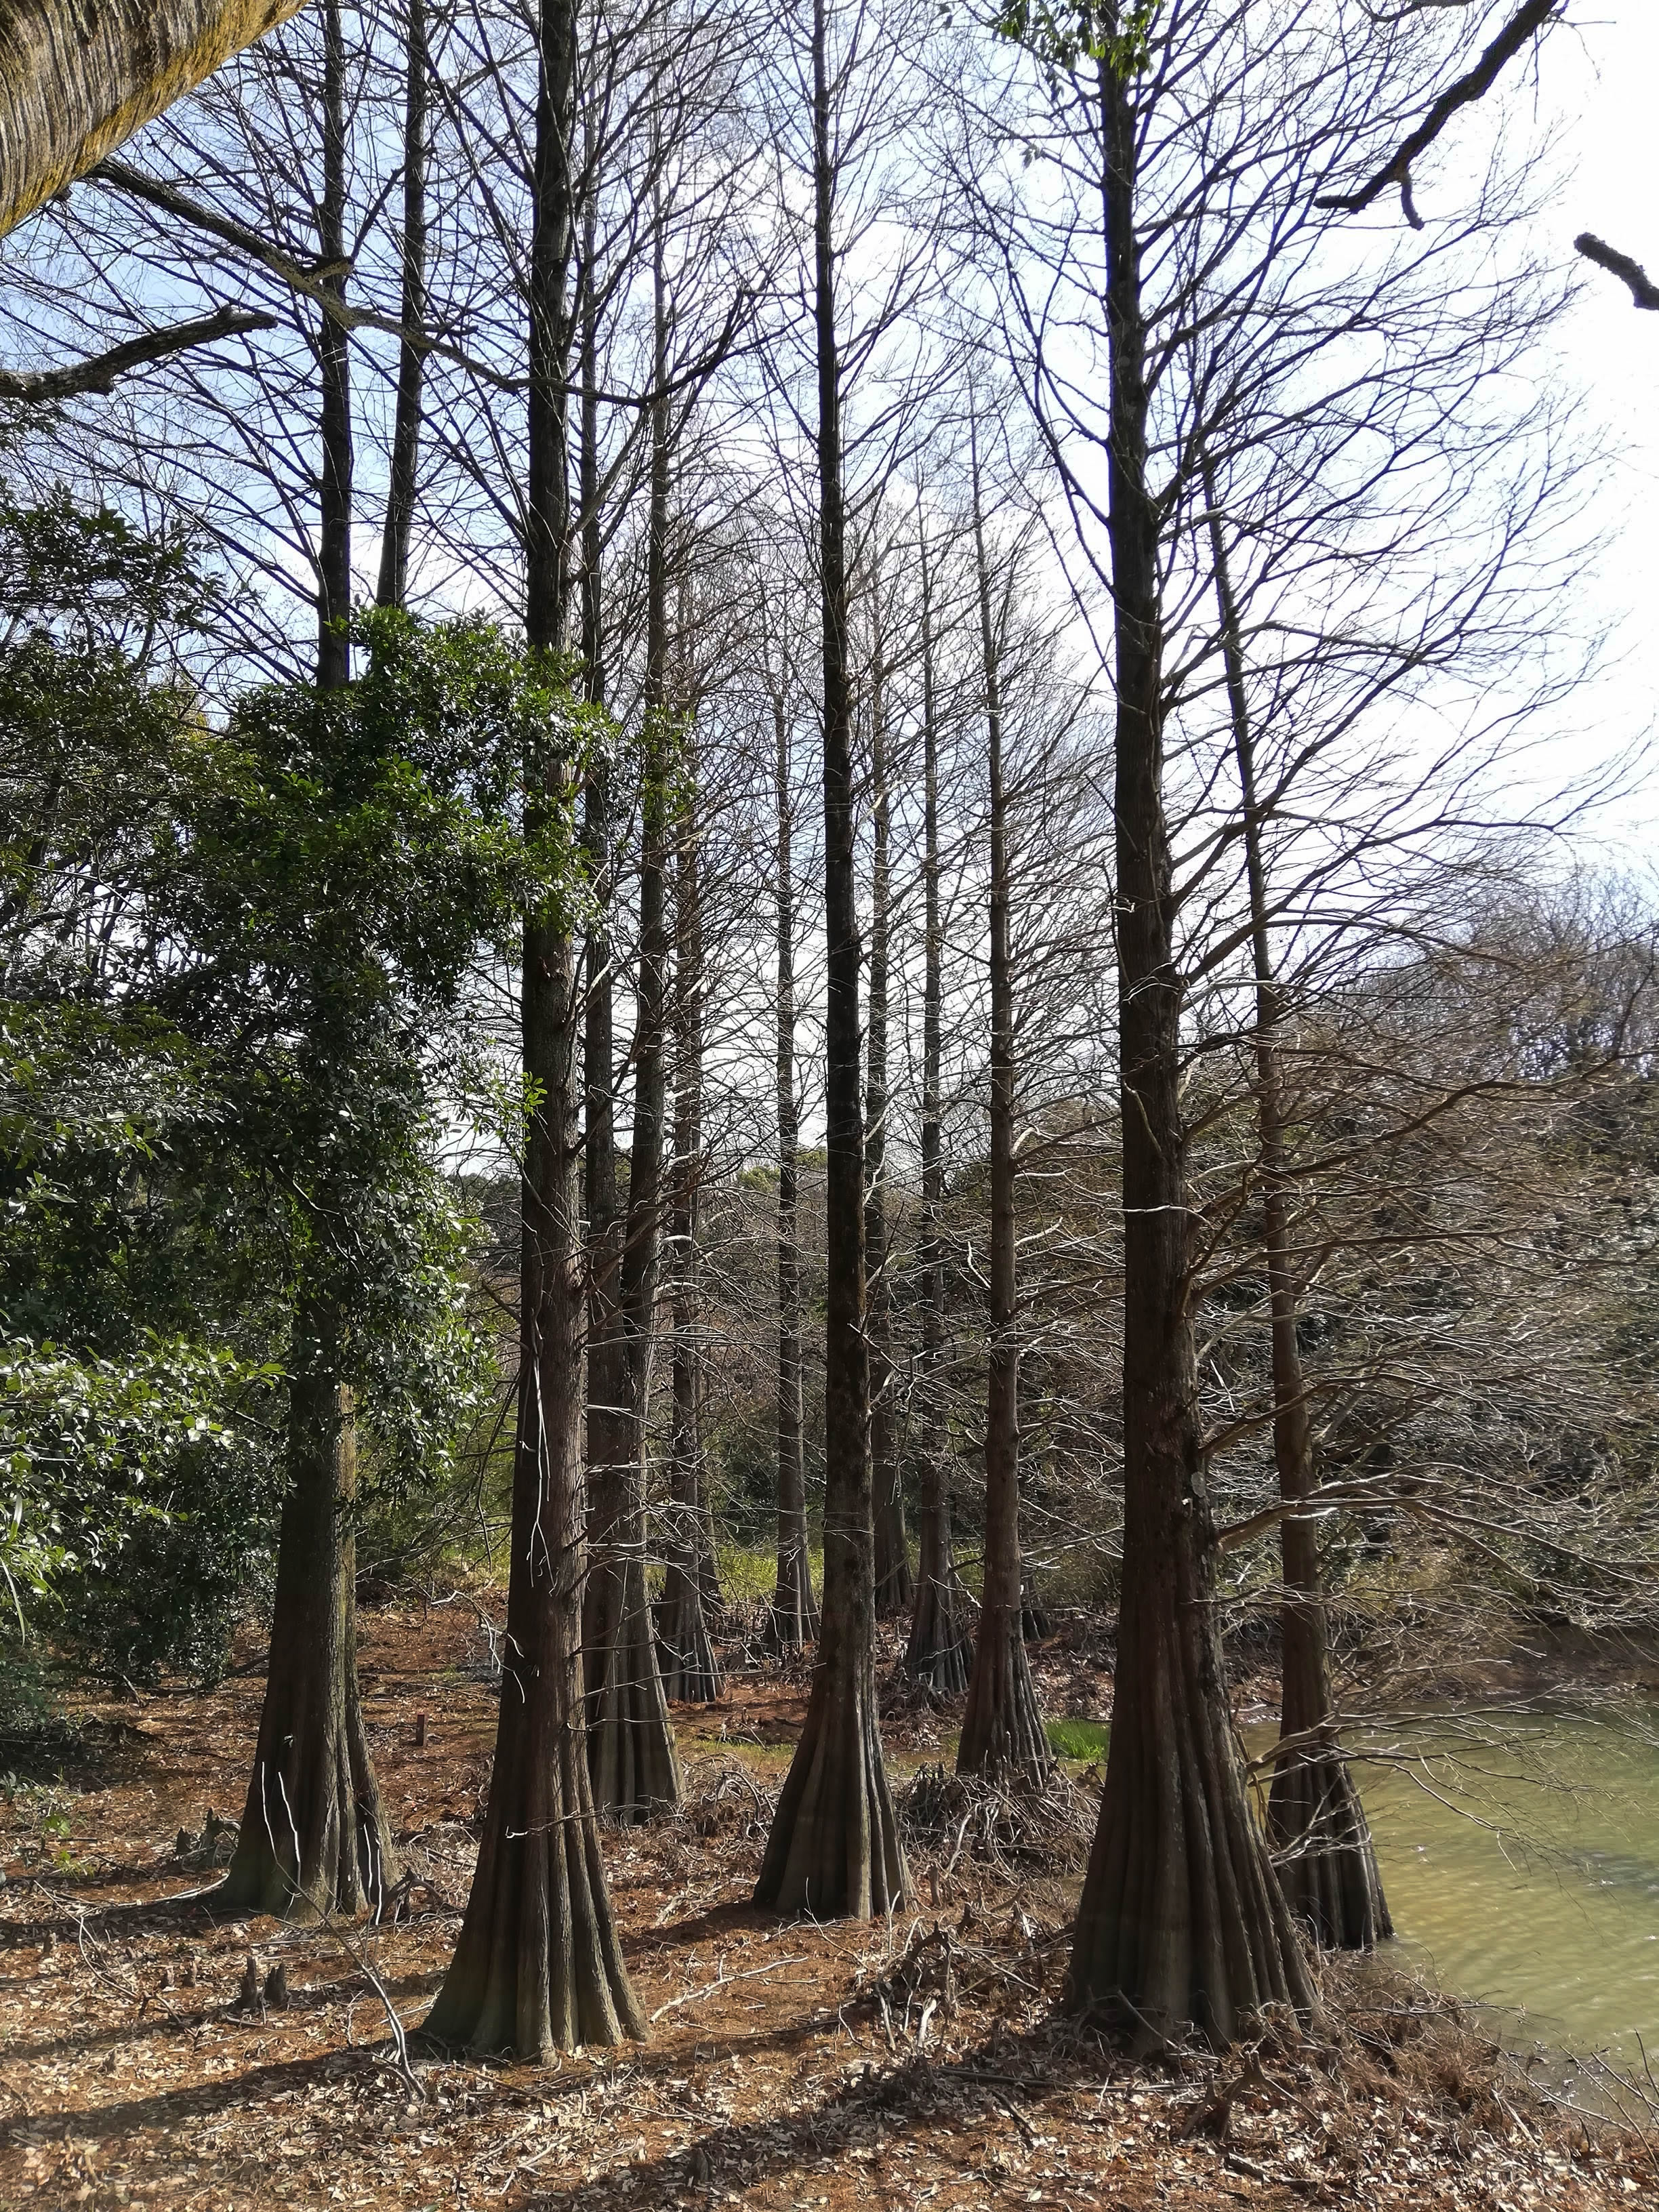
(233, 957)
(1101, 31)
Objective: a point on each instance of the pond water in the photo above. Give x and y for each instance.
(1520, 1856)
(1524, 1872)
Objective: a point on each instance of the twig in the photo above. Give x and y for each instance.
(725, 1981)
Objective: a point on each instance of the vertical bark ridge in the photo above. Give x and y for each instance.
(314, 1838)
(75, 82)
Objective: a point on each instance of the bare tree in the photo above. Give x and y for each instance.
(1002, 1730)
(892, 1557)
(938, 1649)
(537, 1966)
(834, 1847)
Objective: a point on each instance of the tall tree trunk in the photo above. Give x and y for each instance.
(630, 1744)
(73, 89)
(537, 1967)
(313, 1837)
(1002, 1730)
(692, 1673)
(1183, 1923)
(939, 1647)
(834, 1849)
(794, 1610)
(607, 1420)
(1322, 1842)
(892, 1548)
(393, 589)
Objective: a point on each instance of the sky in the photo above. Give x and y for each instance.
(1594, 92)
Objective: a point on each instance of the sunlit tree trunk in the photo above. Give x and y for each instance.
(537, 1966)
(630, 1743)
(794, 1610)
(892, 1549)
(692, 1673)
(76, 82)
(833, 1848)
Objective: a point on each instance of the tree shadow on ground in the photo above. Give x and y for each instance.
(989, 2083)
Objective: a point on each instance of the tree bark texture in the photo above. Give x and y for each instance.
(834, 1849)
(76, 81)
(892, 1548)
(1183, 1925)
(692, 1673)
(1322, 1840)
(1002, 1731)
(794, 1609)
(403, 471)
(314, 1838)
(630, 1743)
(939, 1647)
(537, 1967)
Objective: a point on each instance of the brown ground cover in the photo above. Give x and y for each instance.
(920, 2061)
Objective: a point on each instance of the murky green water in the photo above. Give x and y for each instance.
(1546, 1901)
(1520, 1855)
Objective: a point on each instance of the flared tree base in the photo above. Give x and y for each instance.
(314, 1840)
(685, 1653)
(1183, 1929)
(538, 1969)
(940, 1650)
(1322, 1849)
(631, 1759)
(1003, 1737)
(834, 1849)
(792, 1621)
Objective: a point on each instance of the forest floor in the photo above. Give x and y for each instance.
(919, 2061)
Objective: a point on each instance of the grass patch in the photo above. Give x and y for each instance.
(1074, 1739)
(750, 1576)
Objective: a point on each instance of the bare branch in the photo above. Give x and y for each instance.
(39, 387)
(1643, 292)
(1463, 93)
